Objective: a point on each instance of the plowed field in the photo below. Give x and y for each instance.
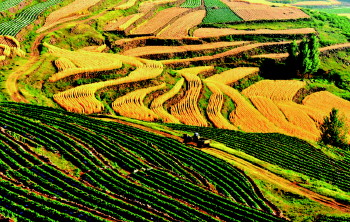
(217, 32)
(67, 13)
(157, 50)
(155, 24)
(180, 27)
(231, 52)
(252, 12)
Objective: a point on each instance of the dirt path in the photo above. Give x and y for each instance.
(148, 129)
(12, 80)
(260, 173)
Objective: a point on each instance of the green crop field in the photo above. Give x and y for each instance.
(121, 172)
(219, 12)
(24, 18)
(93, 115)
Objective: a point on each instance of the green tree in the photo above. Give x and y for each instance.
(304, 62)
(314, 54)
(305, 58)
(293, 51)
(334, 130)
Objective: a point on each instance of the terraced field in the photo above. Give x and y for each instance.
(67, 13)
(121, 173)
(25, 18)
(128, 78)
(287, 152)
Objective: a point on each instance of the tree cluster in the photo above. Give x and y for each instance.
(334, 130)
(304, 58)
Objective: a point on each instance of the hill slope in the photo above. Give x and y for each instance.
(58, 164)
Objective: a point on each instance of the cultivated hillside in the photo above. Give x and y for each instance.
(119, 82)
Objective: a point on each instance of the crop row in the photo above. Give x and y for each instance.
(287, 152)
(7, 4)
(214, 107)
(219, 12)
(157, 103)
(186, 110)
(122, 188)
(131, 105)
(67, 13)
(104, 154)
(191, 4)
(24, 18)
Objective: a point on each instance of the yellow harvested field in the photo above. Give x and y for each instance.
(315, 114)
(214, 108)
(195, 70)
(157, 103)
(345, 14)
(86, 62)
(9, 41)
(148, 5)
(217, 32)
(298, 117)
(180, 27)
(123, 23)
(158, 50)
(5, 50)
(245, 116)
(126, 5)
(330, 2)
(325, 101)
(271, 111)
(159, 21)
(64, 64)
(272, 56)
(93, 48)
(253, 12)
(277, 90)
(231, 52)
(131, 105)
(186, 110)
(74, 10)
(81, 99)
(233, 75)
(9, 46)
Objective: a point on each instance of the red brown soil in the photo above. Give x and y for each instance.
(235, 51)
(253, 11)
(161, 50)
(20, 6)
(155, 24)
(115, 25)
(180, 27)
(218, 32)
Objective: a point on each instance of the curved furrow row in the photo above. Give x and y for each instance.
(131, 105)
(214, 107)
(187, 110)
(157, 103)
(245, 116)
(81, 99)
